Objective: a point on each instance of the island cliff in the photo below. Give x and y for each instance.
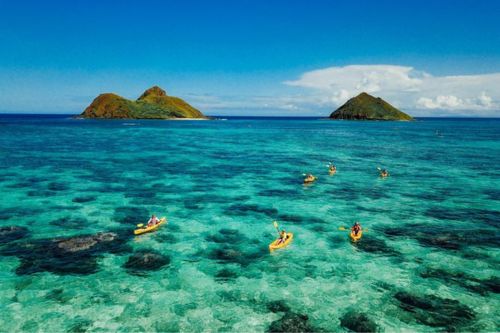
(367, 107)
(154, 103)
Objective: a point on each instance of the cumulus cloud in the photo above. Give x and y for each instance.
(415, 91)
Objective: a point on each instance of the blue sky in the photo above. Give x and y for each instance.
(252, 57)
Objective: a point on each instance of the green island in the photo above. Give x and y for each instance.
(367, 107)
(154, 103)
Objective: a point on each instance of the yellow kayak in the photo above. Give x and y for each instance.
(309, 180)
(357, 237)
(151, 228)
(276, 245)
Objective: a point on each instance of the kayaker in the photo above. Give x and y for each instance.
(283, 237)
(384, 173)
(332, 169)
(356, 228)
(153, 221)
(309, 178)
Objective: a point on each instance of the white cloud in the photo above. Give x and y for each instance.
(414, 91)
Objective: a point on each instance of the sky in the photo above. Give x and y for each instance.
(262, 58)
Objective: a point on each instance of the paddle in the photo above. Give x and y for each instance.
(276, 226)
(349, 229)
(140, 225)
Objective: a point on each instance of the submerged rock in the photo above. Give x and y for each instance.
(82, 243)
(144, 261)
(293, 323)
(278, 306)
(84, 199)
(70, 222)
(444, 236)
(358, 322)
(68, 255)
(376, 246)
(226, 275)
(12, 233)
(229, 236)
(463, 280)
(434, 311)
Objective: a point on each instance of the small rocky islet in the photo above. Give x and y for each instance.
(154, 103)
(367, 107)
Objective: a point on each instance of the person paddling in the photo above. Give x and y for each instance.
(356, 228)
(153, 221)
(384, 173)
(332, 169)
(309, 178)
(283, 237)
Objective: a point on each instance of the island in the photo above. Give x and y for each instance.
(154, 103)
(367, 107)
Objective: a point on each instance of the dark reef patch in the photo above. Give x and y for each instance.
(130, 215)
(68, 255)
(376, 246)
(144, 261)
(84, 199)
(229, 236)
(471, 283)
(358, 322)
(57, 186)
(446, 236)
(69, 222)
(278, 306)
(434, 311)
(12, 233)
(293, 323)
(80, 325)
(225, 275)
(488, 217)
(285, 193)
(247, 209)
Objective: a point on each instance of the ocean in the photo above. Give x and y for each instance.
(73, 190)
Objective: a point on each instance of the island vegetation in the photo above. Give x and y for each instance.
(367, 107)
(154, 103)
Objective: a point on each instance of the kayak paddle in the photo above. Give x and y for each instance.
(140, 225)
(348, 229)
(276, 226)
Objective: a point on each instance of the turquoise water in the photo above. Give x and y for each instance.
(428, 261)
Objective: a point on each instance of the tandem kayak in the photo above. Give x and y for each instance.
(276, 245)
(151, 228)
(357, 237)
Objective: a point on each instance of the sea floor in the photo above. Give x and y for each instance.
(72, 192)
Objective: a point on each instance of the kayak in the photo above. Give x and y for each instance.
(357, 237)
(274, 245)
(151, 228)
(309, 180)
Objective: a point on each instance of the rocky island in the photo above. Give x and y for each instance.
(367, 107)
(154, 103)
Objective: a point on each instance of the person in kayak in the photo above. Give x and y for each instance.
(332, 169)
(309, 178)
(384, 173)
(283, 237)
(153, 221)
(356, 228)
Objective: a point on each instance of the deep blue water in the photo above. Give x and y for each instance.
(428, 260)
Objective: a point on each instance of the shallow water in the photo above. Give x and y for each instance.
(432, 225)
